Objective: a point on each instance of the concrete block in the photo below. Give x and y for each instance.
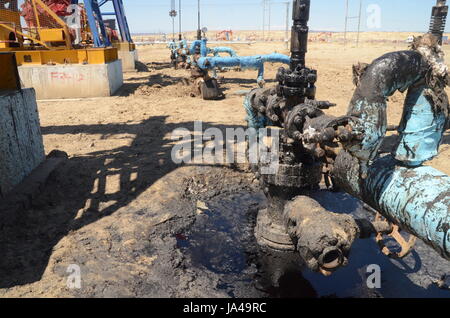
(128, 59)
(73, 80)
(21, 144)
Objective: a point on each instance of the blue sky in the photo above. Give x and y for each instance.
(326, 15)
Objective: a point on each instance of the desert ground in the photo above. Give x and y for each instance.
(280, 36)
(119, 205)
(160, 92)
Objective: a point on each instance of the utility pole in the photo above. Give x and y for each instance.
(264, 20)
(359, 22)
(347, 18)
(346, 22)
(173, 14)
(270, 11)
(199, 30)
(288, 4)
(180, 36)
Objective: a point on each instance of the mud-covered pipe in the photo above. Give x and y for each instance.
(245, 62)
(415, 198)
(387, 74)
(421, 129)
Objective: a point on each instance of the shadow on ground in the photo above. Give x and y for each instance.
(79, 193)
(152, 81)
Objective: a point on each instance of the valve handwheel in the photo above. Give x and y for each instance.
(406, 245)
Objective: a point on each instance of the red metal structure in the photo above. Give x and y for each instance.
(57, 6)
(225, 35)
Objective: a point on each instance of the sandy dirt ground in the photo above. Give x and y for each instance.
(159, 92)
(117, 204)
(280, 36)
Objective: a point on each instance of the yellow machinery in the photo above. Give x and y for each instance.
(124, 46)
(46, 38)
(9, 25)
(78, 56)
(44, 26)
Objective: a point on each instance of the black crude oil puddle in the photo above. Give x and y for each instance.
(222, 242)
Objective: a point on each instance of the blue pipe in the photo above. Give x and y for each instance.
(204, 50)
(245, 62)
(183, 44)
(254, 120)
(172, 45)
(416, 198)
(199, 43)
(193, 46)
(387, 74)
(222, 49)
(421, 129)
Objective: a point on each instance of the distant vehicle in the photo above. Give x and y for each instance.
(410, 39)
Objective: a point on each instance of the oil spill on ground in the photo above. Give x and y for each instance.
(222, 242)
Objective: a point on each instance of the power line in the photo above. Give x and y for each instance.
(288, 6)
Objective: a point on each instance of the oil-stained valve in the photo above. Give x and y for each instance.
(298, 170)
(347, 148)
(179, 54)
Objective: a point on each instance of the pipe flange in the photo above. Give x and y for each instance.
(271, 234)
(295, 176)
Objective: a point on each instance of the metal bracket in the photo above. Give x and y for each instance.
(406, 245)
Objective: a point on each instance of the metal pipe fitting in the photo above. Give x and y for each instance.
(322, 238)
(299, 37)
(244, 62)
(439, 19)
(222, 49)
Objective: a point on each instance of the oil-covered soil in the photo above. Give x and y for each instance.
(138, 225)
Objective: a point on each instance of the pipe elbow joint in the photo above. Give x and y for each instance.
(322, 238)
